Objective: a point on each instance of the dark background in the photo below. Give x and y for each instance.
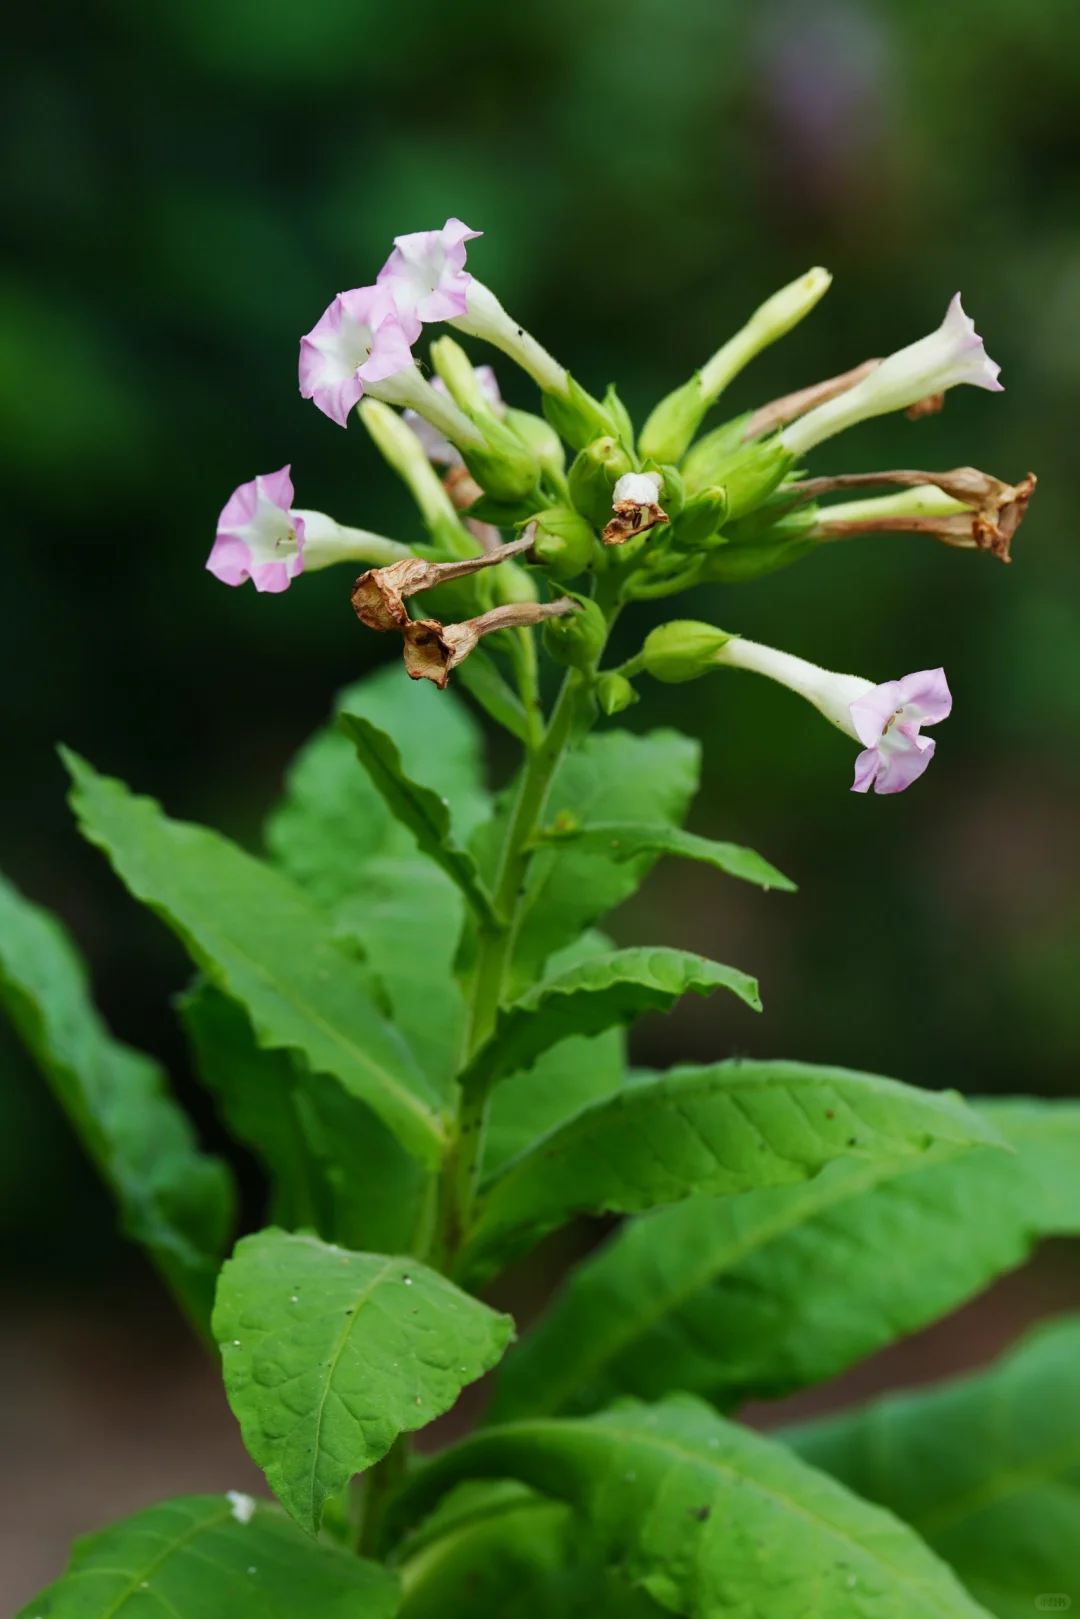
(185, 187)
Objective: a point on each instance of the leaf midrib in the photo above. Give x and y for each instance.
(1010, 1481)
(149, 1569)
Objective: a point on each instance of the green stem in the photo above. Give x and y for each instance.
(494, 944)
(380, 1482)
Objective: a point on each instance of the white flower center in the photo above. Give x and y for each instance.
(345, 352)
(270, 536)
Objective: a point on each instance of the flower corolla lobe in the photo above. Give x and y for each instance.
(887, 720)
(359, 339)
(426, 276)
(259, 536)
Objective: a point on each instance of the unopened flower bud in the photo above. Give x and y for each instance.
(594, 473)
(562, 541)
(614, 693)
(379, 596)
(578, 639)
(682, 650)
(432, 649)
(461, 380)
(406, 455)
(672, 425)
(751, 475)
(700, 518)
(542, 439)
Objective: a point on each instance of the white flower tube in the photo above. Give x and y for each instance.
(949, 356)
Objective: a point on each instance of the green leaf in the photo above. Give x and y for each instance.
(332, 1164)
(423, 811)
(613, 776)
(174, 1199)
(486, 684)
(620, 841)
(713, 1520)
(758, 1295)
(987, 1469)
(332, 822)
(202, 1557)
(329, 1355)
(598, 993)
(720, 1130)
(262, 942)
(500, 1551)
(407, 921)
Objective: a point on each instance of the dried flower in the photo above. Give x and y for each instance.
(634, 501)
(432, 649)
(379, 595)
(979, 511)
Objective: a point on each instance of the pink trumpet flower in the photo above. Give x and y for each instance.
(259, 536)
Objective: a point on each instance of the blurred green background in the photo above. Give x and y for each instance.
(184, 189)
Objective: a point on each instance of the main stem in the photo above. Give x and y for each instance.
(494, 944)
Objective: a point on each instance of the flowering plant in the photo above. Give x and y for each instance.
(406, 1011)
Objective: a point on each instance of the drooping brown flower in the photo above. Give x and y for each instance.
(432, 649)
(995, 509)
(379, 596)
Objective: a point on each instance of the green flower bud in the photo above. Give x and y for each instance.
(577, 416)
(751, 475)
(578, 639)
(593, 475)
(703, 464)
(619, 415)
(563, 542)
(541, 438)
(614, 693)
(682, 650)
(674, 422)
(456, 370)
(503, 466)
(739, 564)
(700, 518)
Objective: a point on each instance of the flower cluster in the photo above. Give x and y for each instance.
(636, 516)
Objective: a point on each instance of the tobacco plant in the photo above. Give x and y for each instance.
(406, 1011)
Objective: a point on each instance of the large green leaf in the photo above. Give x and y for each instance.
(332, 1164)
(713, 1521)
(620, 841)
(786, 1286)
(728, 1128)
(597, 994)
(986, 1469)
(174, 1199)
(425, 813)
(328, 1355)
(500, 1551)
(407, 921)
(332, 821)
(214, 1557)
(260, 940)
(612, 776)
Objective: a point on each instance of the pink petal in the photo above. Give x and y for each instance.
(901, 765)
(866, 768)
(973, 363)
(228, 560)
(240, 506)
(336, 399)
(927, 694)
(871, 712)
(390, 352)
(426, 274)
(278, 487)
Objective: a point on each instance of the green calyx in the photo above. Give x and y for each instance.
(577, 640)
(614, 693)
(682, 650)
(576, 416)
(670, 429)
(563, 542)
(593, 475)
